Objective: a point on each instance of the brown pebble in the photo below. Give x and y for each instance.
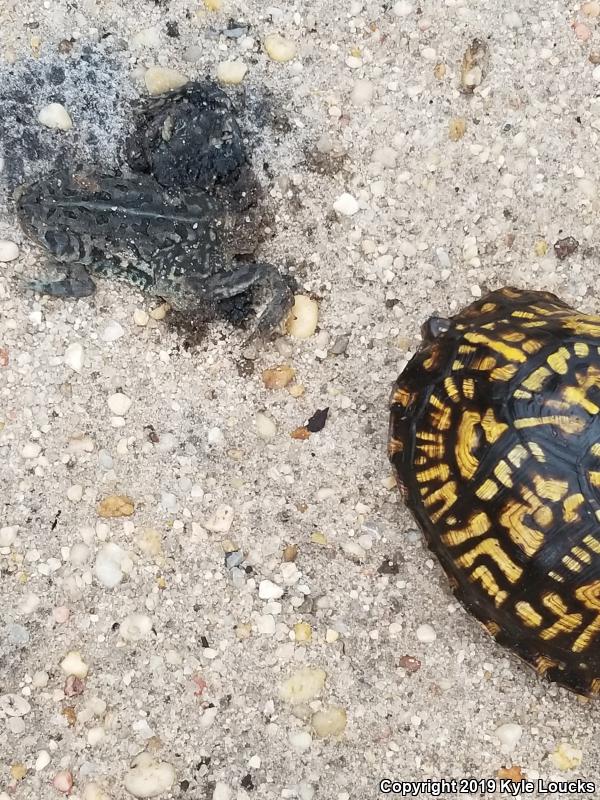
(594, 57)
(290, 552)
(278, 377)
(116, 505)
(73, 686)
(301, 433)
(409, 663)
(65, 46)
(439, 71)
(18, 771)
(565, 247)
(513, 773)
(70, 715)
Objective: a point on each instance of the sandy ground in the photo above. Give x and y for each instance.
(194, 680)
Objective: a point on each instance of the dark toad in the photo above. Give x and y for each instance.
(179, 246)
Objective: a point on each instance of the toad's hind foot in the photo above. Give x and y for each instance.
(76, 283)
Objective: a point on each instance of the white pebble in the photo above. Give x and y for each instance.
(402, 8)
(164, 79)
(13, 705)
(135, 627)
(231, 72)
(386, 156)
(346, 205)
(55, 116)
(8, 534)
(509, 734)
(119, 403)
(222, 791)
(107, 568)
(215, 436)
(42, 760)
(303, 685)
(148, 37)
(300, 740)
(31, 450)
(426, 634)
(279, 49)
(113, 331)
(79, 554)
(75, 493)
(513, 20)
(73, 664)
(40, 679)
(303, 318)
(221, 520)
(149, 778)
(265, 624)
(354, 550)
(74, 356)
(96, 735)
(94, 792)
(362, 92)
(267, 590)
(8, 250)
(141, 317)
(331, 721)
(265, 426)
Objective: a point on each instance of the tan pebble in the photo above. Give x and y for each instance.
(594, 57)
(439, 71)
(302, 632)
(231, 72)
(318, 537)
(279, 49)
(278, 377)
(8, 250)
(582, 31)
(94, 791)
(303, 685)
(301, 434)
(36, 46)
(243, 630)
(116, 505)
(296, 390)
(290, 552)
(18, 771)
(149, 541)
(160, 312)
(329, 722)
(163, 79)
(212, 5)
(303, 318)
(591, 9)
(541, 248)
(457, 128)
(331, 636)
(140, 317)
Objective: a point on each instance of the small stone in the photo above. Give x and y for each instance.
(513, 20)
(278, 377)
(16, 636)
(346, 205)
(141, 317)
(221, 520)
(8, 250)
(40, 679)
(290, 553)
(107, 568)
(79, 554)
(193, 53)
(149, 778)
(278, 48)
(213, 5)
(267, 590)
(119, 404)
(18, 771)
(300, 740)
(63, 781)
(8, 534)
(591, 9)
(147, 37)
(73, 664)
(116, 505)
(402, 8)
(55, 116)
(566, 757)
(471, 71)
(265, 624)
(112, 331)
(385, 156)
(329, 722)
(303, 685)
(457, 129)
(94, 792)
(74, 356)
(74, 686)
(135, 627)
(163, 79)
(439, 71)
(541, 248)
(231, 72)
(509, 735)
(31, 450)
(265, 426)
(362, 92)
(160, 312)
(42, 760)
(582, 32)
(302, 632)
(426, 634)
(565, 247)
(13, 705)
(222, 791)
(303, 318)
(75, 493)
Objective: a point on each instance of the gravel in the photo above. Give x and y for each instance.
(154, 638)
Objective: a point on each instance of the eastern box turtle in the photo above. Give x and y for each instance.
(495, 441)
